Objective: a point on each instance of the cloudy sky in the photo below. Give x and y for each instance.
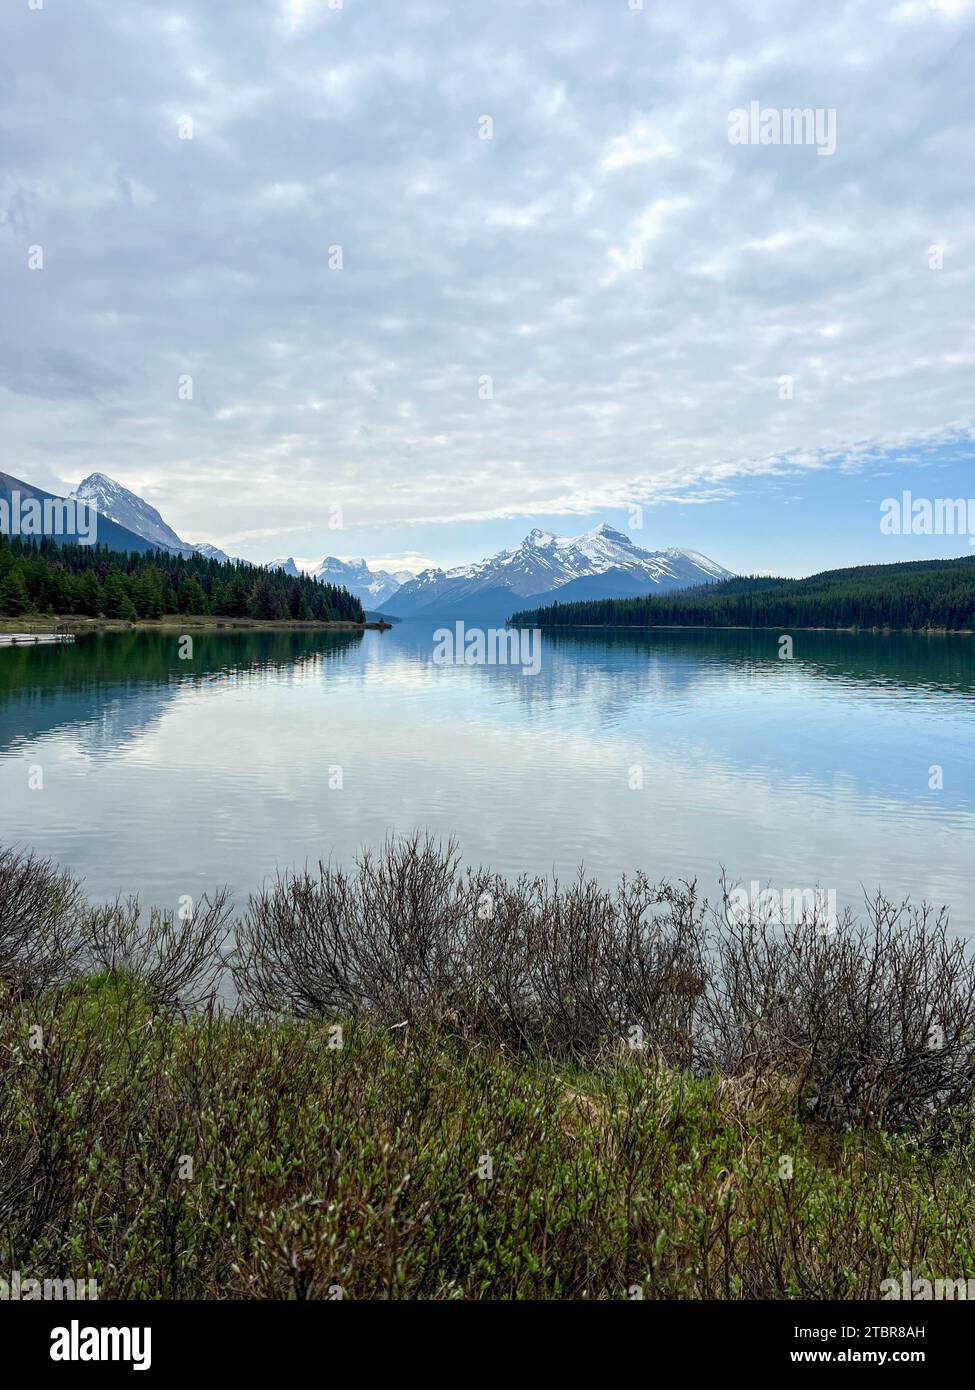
(293, 212)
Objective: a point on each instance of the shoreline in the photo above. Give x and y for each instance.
(185, 622)
(180, 622)
(742, 627)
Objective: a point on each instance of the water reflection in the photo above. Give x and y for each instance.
(266, 749)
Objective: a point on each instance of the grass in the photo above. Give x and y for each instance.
(226, 1158)
(432, 1087)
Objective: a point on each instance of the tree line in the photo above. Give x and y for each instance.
(915, 595)
(40, 576)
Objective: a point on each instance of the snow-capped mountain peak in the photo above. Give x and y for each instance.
(708, 569)
(609, 533)
(371, 587)
(603, 560)
(287, 565)
(110, 499)
(212, 552)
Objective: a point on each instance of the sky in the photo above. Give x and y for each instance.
(403, 279)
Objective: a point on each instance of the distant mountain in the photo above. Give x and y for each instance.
(13, 492)
(602, 563)
(612, 583)
(213, 552)
(370, 586)
(288, 566)
(110, 499)
(125, 509)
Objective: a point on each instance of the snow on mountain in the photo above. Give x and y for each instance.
(213, 552)
(603, 561)
(371, 586)
(116, 502)
(287, 565)
(706, 566)
(110, 499)
(544, 562)
(98, 528)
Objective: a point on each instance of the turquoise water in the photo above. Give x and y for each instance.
(166, 776)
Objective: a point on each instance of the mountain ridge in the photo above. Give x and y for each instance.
(602, 562)
(368, 585)
(107, 532)
(111, 499)
(603, 558)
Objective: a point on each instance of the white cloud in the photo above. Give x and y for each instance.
(513, 259)
(296, 14)
(641, 145)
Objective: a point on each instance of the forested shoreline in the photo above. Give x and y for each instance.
(925, 594)
(94, 582)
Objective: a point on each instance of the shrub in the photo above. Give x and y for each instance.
(874, 1021)
(868, 1022)
(177, 960)
(40, 906)
(871, 1022)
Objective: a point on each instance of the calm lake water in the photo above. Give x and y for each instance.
(165, 776)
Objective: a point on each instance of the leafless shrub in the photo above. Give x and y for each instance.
(873, 1020)
(385, 939)
(40, 906)
(867, 1022)
(410, 937)
(572, 968)
(176, 959)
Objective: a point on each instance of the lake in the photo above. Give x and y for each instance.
(675, 752)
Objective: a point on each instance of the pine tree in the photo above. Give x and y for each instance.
(192, 599)
(14, 598)
(117, 602)
(69, 578)
(90, 598)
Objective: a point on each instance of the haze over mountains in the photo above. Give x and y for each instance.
(601, 563)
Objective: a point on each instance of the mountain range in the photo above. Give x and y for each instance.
(370, 586)
(601, 563)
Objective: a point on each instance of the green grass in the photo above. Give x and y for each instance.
(227, 1158)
